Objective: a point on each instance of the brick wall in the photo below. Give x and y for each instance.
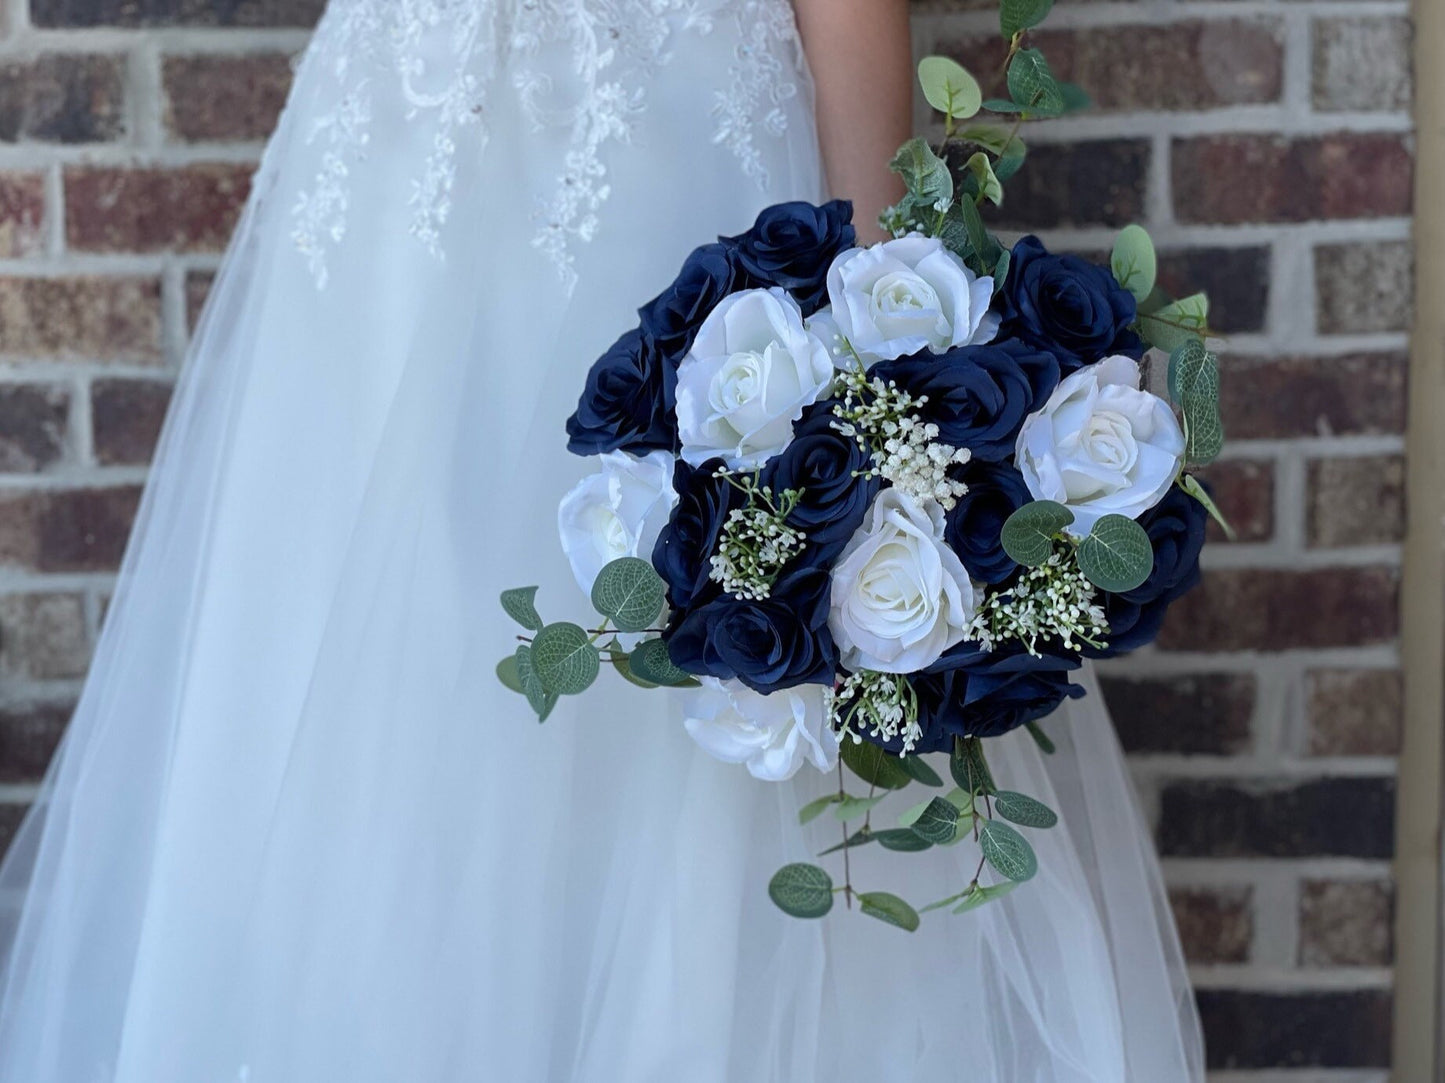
(1265, 143)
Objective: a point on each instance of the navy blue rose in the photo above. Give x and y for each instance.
(973, 527)
(977, 395)
(671, 319)
(1175, 526)
(1066, 305)
(684, 549)
(628, 401)
(823, 464)
(769, 645)
(793, 244)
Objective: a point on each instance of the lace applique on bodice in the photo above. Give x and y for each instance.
(444, 58)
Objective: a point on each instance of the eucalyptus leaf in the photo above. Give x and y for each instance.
(508, 675)
(1193, 372)
(918, 770)
(861, 837)
(801, 890)
(1190, 484)
(1041, 738)
(981, 243)
(949, 87)
(520, 605)
(968, 766)
(629, 593)
(938, 822)
(873, 765)
(988, 184)
(813, 809)
(1031, 84)
(983, 893)
(1002, 105)
(926, 175)
(910, 815)
(1134, 262)
(565, 658)
(1007, 852)
(960, 799)
(1172, 324)
(1000, 270)
(852, 807)
(649, 661)
(1010, 160)
(1117, 556)
(991, 137)
(1203, 433)
(941, 903)
(541, 700)
(890, 909)
(901, 839)
(1028, 534)
(623, 664)
(1024, 810)
(1076, 98)
(1017, 15)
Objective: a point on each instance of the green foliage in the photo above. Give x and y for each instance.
(629, 593)
(1023, 810)
(801, 891)
(1203, 434)
(538, 696)
(949, 87)
(918, 770)
(966, 234)
(1007, 852)
(861, 837)
(623, 664)
(520, 604)
(889, 908)
(982, 893)
(1117, 556)
(938, 822)
(924, 173)
(1190, 485)
(1028, 534)
(650, 662)
(1133, 261)
(902, 840)
(565, 658)
(850, 807)
(1011, 160)
(1170, 325)
(989, 187)
(813, 809)
(910, 816)
(1000, 270)
(994, 138)
(968, 766)
(1018, 15)
(1076, 98)
(873, 765)
(1194, 385)
(508, 675)
(1031, 85)
(1041, 738)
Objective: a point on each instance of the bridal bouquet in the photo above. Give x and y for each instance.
(863, 504)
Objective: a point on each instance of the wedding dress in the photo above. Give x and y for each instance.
(299, 833)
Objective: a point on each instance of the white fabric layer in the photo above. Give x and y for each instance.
(298, 832)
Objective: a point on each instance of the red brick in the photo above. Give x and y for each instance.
(1354, 712)
(32, 426)
(1364, 286)
(198, 288)
(30, 732)
(101, 319)
(1361, 63)
(161, 13)
(1185, 65)
(1351, 395)
(1236, 280)
(62, 98)
(219, 98)
(1215, 924)
(1230, 179)
(1243, 490)
(43, 636)
(127, 416)
(189, 209)
(1101, 182)
(22, 214)
(1282, 608)
(1356, 501)
(1334, 1028)
(1274, 818)
(1193, 714)
(66, 530)
(1346, 923)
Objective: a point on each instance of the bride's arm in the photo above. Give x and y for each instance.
(861, 57)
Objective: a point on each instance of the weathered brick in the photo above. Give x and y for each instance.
(1284, 608)
(1229, 179)
(62, 98)
(1215, 924)
(1095, 183)
(1364, 286)
(213, 98)
(190, 208)
(101, 319)
(1346, 923)
(1236, 280)
(1334, 817)
(160, 13)
(126, 416)
(32, 426)
(1243, 490)
(1351, 395)
(1361, 63)
(22, 214)
(43, 636)
(1356, 501)
(66, 530)
(1333, 1029)
(1354, 712)
(1197, 714)
(198, 288)
(1191, 64)
(29, 735)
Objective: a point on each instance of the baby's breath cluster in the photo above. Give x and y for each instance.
(756, 540)
(884, 419)
(1051, 601)
(882, 706)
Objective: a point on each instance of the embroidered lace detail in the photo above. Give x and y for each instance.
(444, 57)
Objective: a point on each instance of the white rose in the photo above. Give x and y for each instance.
(772, 734)
(751, 370)
(900, 595)
(617, 512)
(906, 295)
(1100, 446)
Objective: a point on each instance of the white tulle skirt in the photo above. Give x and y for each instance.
(299, 833)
